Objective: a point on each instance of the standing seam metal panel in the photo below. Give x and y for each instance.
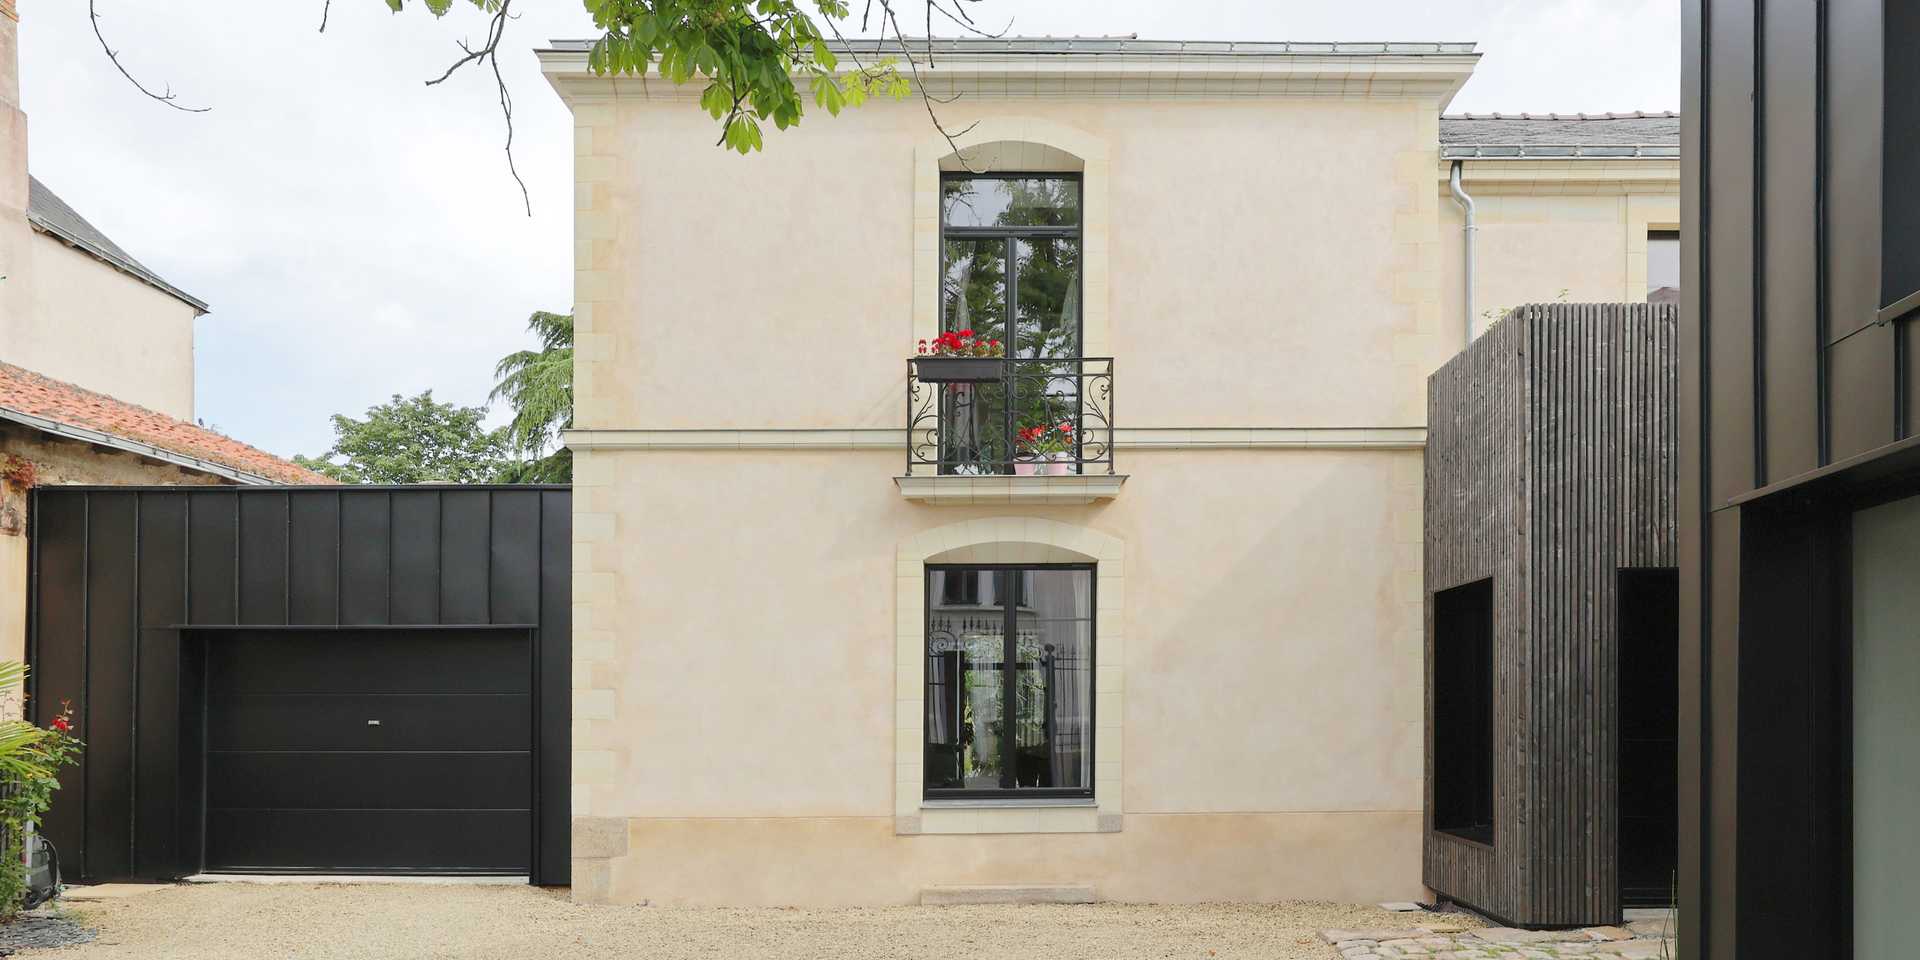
(110, 594)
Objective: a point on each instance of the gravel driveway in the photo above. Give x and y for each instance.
(242, 922)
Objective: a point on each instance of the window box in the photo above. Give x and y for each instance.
(959, 369)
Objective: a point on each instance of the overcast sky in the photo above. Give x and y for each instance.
(357, 234)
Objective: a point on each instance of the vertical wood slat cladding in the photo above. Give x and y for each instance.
(1550, 465)
(122, 575)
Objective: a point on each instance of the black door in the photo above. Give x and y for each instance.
(387, 751)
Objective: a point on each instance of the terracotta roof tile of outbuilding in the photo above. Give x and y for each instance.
(26, 392)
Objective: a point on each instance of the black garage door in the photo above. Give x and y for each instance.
(378, 751)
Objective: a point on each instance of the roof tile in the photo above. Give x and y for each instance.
(27, 392)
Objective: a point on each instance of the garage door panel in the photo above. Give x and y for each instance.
(384, 751)
(368, 841)
(371, 662)
(451, 781)
(406, 721)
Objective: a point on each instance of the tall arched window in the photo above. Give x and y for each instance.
(1010, 270)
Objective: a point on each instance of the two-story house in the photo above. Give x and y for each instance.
(1131, 613)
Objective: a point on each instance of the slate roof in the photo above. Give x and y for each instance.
(1538, 135)
(48, 404)
(46, 211)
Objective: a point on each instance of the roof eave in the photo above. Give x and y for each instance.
(1435, 76)
(148, 450)
(81, 244)
(1540, 151)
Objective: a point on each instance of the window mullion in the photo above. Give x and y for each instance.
(1009, 751)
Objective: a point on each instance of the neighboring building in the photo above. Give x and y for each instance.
(1580, 208)
(844, 635)
(1800, 481)
(80, 317)
(80, 280)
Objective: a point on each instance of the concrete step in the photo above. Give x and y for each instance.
(955, 894)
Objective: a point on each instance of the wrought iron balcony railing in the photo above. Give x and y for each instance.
(1042, 416)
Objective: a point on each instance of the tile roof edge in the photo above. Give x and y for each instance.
(102, 438)
(189, 453)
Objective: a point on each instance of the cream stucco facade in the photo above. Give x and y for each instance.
(1270, 263)
(151, 362)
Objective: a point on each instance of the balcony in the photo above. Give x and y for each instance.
(1005, 430)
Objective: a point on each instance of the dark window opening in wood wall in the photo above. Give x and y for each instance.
(1900, 145)
(1649, 678)
(1463, 711)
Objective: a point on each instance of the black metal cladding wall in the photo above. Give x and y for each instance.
(1798, 396)
(123, 577)
(1550, 467)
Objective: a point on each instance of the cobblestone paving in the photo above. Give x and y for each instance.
(1639, 940)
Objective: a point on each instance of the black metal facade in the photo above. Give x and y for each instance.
(1550, 469)
(129, 585)
(1801, 238)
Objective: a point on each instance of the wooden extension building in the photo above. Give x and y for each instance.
(1551, 616)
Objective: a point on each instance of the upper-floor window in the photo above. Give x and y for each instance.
(1010, 260)
(1663, 266)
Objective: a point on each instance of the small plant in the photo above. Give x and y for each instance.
(961, 343)
(30, 762)
(18, 472)
(1047, 439)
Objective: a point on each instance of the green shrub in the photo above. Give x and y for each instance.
(30, 762)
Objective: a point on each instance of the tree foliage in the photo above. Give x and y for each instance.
(414, 440)
(538, 386)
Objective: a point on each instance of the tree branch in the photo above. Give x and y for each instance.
(113, 55)
(490, 53)
(889, 17)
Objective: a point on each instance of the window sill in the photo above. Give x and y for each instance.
(978, 803)
(951, 817)
(1081, 488)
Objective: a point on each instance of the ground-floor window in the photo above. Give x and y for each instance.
(1463, 711)
(1010, 656)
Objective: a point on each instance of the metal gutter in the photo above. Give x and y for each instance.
(135, 271)
(98, 438)
(1544, 151)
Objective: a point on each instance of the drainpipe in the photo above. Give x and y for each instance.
(1466, 204)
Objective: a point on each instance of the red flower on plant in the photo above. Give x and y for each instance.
(61, 724)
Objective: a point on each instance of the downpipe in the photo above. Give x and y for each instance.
(1466, 205)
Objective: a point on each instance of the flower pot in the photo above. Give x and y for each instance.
(1046, 465)
(959, 369)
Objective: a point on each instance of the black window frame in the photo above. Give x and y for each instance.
(1012, 235)
(1010, 639)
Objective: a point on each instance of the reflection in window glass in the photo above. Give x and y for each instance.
(973, 293)
(1010, 202)
(1010, 684)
